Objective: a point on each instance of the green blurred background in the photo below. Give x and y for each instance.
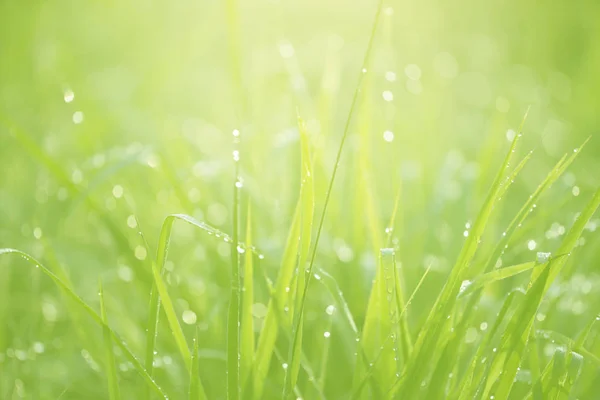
(125, 108)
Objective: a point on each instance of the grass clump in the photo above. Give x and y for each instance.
(301, 264)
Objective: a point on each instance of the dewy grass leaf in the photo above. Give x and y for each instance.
(468, 287)
(570, 240)
(357, 387)
(97, 318)
(332, 286)
(113, 380)
(381, 322)
(453, 346)
(234, 315)
(270, 329)
(504, 367)
(247, 327)
(472, 376)
(161, 259)
(525, 210)
(196, 391)
(575, 345)
(169, 309)
(416, 369)
(304, 239)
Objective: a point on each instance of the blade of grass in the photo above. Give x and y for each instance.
(247, 328)
(97, 318)
(427, 343)
(357, 387)
(332, 286)
(306, 215)
(380, 322)
(234, 315)
(535, 366)
(270, 329)
(172, 319)
(575, 345)
(161, 259)
(469, 287)
(516, 334)
(525, 210)
(196, 391)
(507, 357)
(113, 380)
(338, 158)
(474, 371)
(523, 213)
(570, 240)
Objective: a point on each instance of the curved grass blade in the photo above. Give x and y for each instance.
(332, 286)
(161, 257)
(113, 380)
(97, 318)
(169, 309)
(57, 171)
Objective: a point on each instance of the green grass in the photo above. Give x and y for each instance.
(336, 201)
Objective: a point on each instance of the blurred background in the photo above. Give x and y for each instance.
(115, 114)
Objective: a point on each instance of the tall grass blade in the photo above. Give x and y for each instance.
(247, 328)
(417, 367)
(517, 333)
(472, 376)
(369, 364)
(113, 379)
(169, 310)
(196, 391)
(269, 332)
(307, 213)
(161, 259)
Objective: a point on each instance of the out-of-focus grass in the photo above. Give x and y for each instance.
(115, 115)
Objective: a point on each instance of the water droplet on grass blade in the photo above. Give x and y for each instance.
(543, 257)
